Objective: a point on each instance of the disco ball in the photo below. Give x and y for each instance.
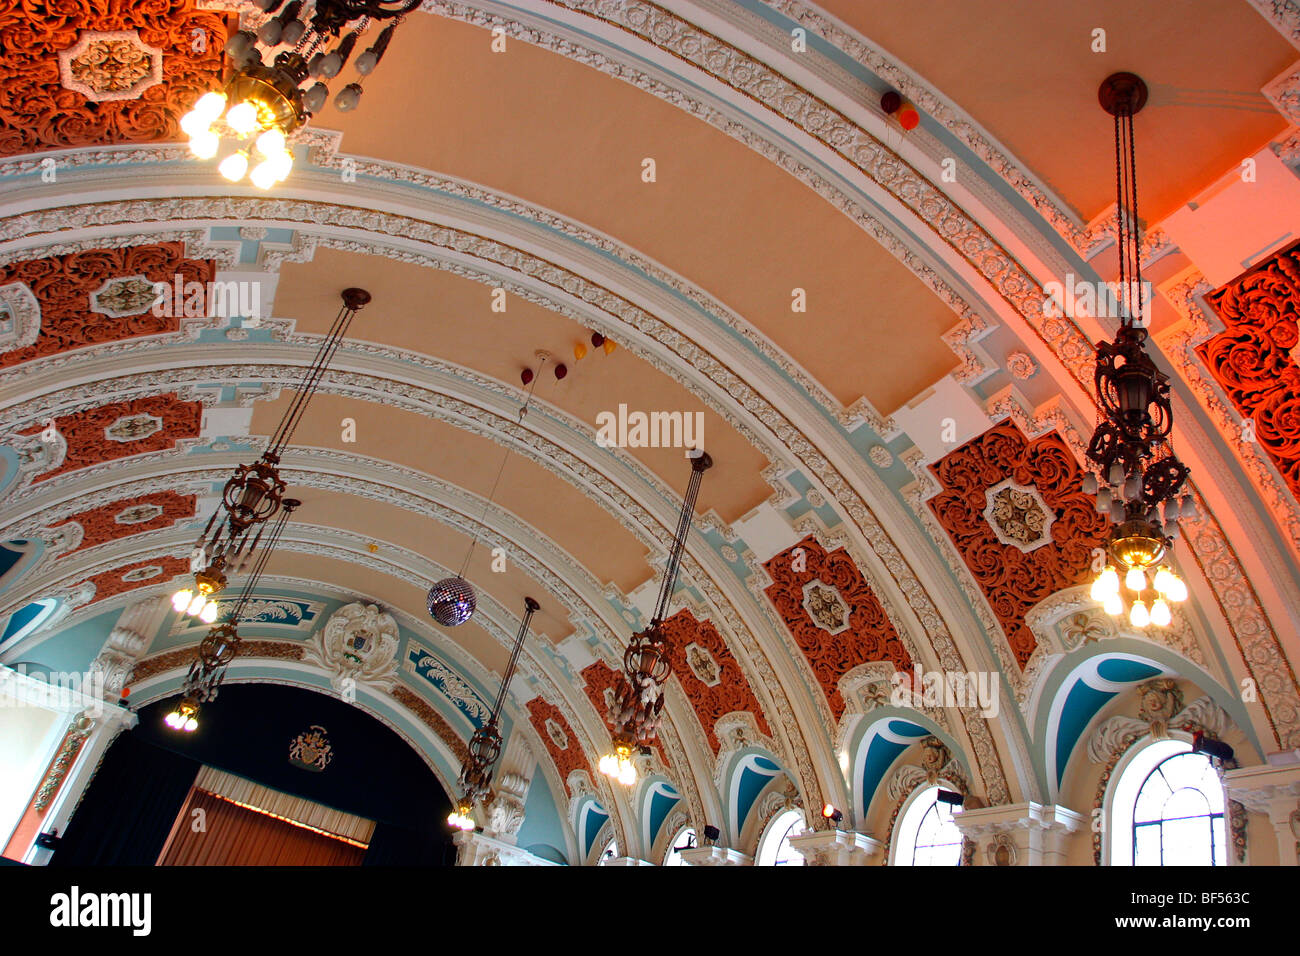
(452, 601)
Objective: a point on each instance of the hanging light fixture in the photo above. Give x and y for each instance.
(485, 745)
(452, 601)
(220, 645)
(263, 104)
(639, 692)
(256, 492)
(1138, 477)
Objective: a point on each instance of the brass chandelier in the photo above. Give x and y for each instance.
(639, 691)
(255, 493)
(220, 645)
(485, 746)
(1138, 477)
(263, 102)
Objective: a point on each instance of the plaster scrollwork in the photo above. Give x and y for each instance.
(1156, 701)
(505, 811)
(867, 686)
(357, 645)
(20, 316)
(117, 659)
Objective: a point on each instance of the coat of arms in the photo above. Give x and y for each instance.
(311, 749)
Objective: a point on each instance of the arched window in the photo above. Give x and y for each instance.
(774, 848)
(610, 852)
(1167, 809)
(684, 840)
(926, 834)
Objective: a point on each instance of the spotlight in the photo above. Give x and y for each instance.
(832, 814)
(1213, 748)
(947, 796)
(711, 833)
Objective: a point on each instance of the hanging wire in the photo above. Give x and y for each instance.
(251, 583)
(523, 410)
(684, 519)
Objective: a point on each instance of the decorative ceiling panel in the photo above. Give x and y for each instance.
(1014, 569)
(558, 737)
(816, 592)
(1253, 360)
(123, 429)
(101, 295)
(129, 516)
(137, 575)
(102, 72)
(709, 674)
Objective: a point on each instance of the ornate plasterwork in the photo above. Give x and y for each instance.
(727, 382)
(702, 665)
(1020, 365)
(104, 66)
(357, 645)
(130, 428)
(880, 456)
(20, 316)
(146, 573)
(825, 606)
(1284, 15)
(1018, 515)
(138, 514)
(129, 295)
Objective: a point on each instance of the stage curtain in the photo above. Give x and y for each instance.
(235, 836)
(127, 811)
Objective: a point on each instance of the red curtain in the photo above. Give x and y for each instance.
(232, 835)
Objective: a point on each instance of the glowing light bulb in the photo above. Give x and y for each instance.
(607, 765)
(281, 163)
(170, 719)
(1113, 604)
(205, 144)
(1177, 590)
(196, 606)
(263, 175)
(1135, 580)
(1107, 583)
(209, 612)
(1139, 616)
(1160, 615)
(193, 123)
(1163, 577)
(210, 105)
(271, 143)
(190, 725)
(234, 166)
(242, 118)
(181, 599)
(627, 775)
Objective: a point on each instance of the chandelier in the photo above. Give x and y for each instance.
(1138, 477)
(639, 691)
(485, 746)
(264, 102)
(255, 492)
(452, 601)
(220, 645)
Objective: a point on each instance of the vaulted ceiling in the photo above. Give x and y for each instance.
(856, 311)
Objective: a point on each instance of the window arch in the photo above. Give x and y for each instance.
(774, 848)
(682, 840)
(925, 834)
(1167, 809)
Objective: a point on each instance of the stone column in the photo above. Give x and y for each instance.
(715, 856)
(479, 849)
(837, 848)
(1272, 789)
(1020, 834)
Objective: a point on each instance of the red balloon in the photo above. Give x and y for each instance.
(526, 376)
(597, 339)
(126, 692)
(909, 118)
(561, 370)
